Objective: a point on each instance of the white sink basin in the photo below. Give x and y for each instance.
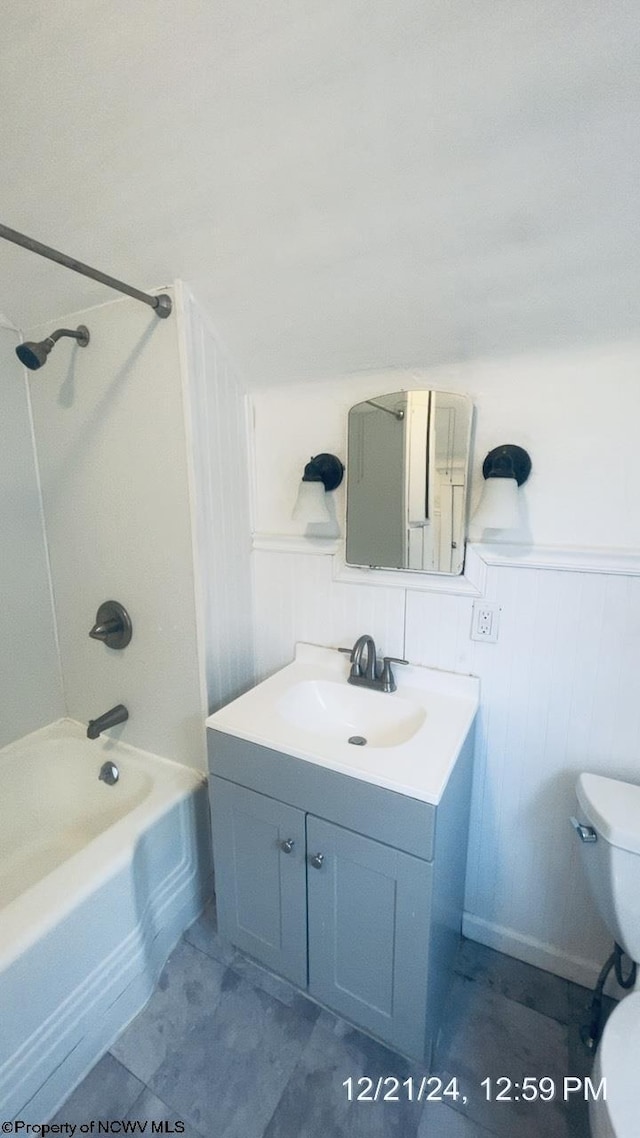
(350, 714)
(407, 740)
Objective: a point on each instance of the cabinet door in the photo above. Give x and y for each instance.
(369, 933)
(258, 849)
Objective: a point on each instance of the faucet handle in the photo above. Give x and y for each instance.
(388, 682)
(348, 651)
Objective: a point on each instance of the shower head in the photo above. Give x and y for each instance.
(33, 355)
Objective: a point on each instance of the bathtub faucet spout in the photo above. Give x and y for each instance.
(114, 715)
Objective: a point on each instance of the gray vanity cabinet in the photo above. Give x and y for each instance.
(351, 891)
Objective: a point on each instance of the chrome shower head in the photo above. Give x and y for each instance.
(33, 355)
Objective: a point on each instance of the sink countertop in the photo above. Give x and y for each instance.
(441, 707)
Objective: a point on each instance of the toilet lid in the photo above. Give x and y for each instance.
(619, 1063)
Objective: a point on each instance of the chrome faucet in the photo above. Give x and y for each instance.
(375, 675)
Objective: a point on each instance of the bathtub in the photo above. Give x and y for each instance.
(97, 883)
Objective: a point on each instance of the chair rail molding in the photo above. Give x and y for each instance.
(478, 558)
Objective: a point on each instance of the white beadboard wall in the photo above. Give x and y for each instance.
(296, 599)
(559, 695)
(30, 679)
(217, 428)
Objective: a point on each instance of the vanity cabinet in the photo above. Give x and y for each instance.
(351, 891)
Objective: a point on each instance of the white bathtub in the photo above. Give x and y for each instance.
(97, 883)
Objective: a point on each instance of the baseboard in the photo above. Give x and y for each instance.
(531, 951)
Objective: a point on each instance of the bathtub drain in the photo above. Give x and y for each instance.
(358, 740)
(109, 773)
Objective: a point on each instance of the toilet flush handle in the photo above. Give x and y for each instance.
(585, 833)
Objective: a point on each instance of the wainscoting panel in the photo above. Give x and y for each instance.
(297, 599)
(558, 696)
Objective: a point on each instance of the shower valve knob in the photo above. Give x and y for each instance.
(113, 625)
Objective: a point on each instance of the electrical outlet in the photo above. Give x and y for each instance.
(484, 622)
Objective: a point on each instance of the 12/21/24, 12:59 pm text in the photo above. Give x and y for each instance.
(430, 1088)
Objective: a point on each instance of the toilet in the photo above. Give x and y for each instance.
(609, 826)
(618, 1061)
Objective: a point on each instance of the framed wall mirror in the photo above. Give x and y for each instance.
(408, 480)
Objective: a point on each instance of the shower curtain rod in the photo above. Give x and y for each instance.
(161, 304)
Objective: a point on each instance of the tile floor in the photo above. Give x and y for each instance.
(231, 1051)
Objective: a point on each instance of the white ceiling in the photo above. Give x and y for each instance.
(347, 184)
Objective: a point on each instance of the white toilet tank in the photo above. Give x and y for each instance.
(612, 809)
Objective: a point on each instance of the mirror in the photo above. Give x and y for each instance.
(407, 481)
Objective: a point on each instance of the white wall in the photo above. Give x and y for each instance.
(558, 689)
(30, 681)
(109, 424)
(219, 454)
(576, 413)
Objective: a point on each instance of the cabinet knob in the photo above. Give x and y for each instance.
(317, 860)
(287, 845)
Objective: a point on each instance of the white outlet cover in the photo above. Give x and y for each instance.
(485, 621)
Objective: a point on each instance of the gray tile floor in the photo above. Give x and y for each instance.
(231, 1051)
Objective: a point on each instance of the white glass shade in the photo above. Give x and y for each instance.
(499, 506)
(311, 504)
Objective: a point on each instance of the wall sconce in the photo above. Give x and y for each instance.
(322, 473)
(504, 469)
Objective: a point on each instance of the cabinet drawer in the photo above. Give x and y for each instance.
(405, 823)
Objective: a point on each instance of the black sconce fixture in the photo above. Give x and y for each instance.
(505, 469)
(323, 473)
